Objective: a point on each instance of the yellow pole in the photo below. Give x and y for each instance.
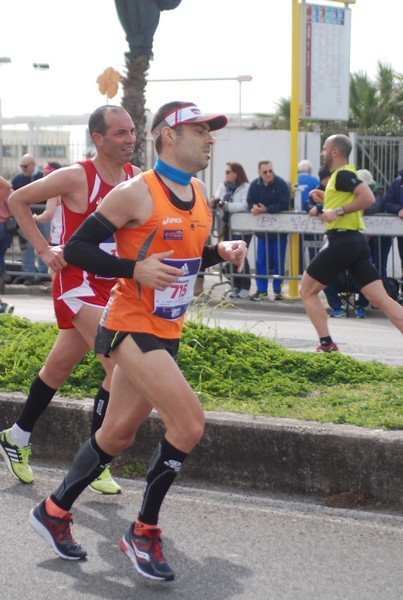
(294, 114)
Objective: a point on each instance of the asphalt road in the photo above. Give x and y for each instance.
(222, 546)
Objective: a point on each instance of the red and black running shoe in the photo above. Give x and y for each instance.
(144, 548)
(330, 348)
(56, 532)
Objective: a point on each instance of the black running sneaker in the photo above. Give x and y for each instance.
(144, 548)
(56, 532)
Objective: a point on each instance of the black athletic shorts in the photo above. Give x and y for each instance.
(343, 251)
(106, 340)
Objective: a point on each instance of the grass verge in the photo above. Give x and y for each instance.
(233, 372)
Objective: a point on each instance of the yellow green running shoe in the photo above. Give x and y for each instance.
(16, 458)
(105, 484)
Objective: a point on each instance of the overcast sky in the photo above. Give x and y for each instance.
(199, 39)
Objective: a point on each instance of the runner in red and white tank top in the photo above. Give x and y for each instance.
(80, 187)
(72, 287)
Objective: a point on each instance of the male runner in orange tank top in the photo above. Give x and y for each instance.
(161, 222)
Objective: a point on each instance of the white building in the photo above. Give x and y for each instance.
(65, 139)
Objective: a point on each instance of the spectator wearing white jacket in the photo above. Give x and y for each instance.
(230, 197)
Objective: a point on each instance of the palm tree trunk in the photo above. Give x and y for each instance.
(134, 86)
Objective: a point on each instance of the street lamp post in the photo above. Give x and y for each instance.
(33, 127)
(4, 60)
(241, 79)
(38, 67)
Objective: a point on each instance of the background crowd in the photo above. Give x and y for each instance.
(266, 193)
(269, 193)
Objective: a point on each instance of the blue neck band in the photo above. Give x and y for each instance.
(171, 173)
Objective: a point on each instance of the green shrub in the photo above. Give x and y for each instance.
(24, 347)
(234, 372)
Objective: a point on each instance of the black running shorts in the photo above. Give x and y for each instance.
(343, 251)
(107, 340)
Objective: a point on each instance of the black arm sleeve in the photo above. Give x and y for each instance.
(210, 257)
(83, 251)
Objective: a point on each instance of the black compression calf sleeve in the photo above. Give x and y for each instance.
(88, 464)
(164, 466)
(38, 400)
(101, 401)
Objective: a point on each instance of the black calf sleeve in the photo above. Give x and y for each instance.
(164, 466)
(38, 400)
(88, 464)
(100, 404)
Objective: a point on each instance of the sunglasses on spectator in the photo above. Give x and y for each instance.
(25, 166)
(228, 171)
(267, 171)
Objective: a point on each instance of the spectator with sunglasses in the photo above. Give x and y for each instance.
(230, 197)
(268, 193)
(29, 173)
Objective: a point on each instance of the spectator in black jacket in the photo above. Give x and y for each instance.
(268, 194)
(393, 203)
(380, 246)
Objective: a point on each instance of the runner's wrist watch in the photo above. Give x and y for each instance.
(339, 211)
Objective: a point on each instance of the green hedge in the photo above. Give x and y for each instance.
(234, 372)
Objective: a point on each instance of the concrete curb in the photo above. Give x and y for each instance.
(264, 454)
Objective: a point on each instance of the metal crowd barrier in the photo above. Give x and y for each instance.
(304, 239)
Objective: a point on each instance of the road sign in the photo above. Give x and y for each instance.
(325, 61)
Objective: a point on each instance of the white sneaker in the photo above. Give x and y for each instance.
(243, 293)
(234, 293)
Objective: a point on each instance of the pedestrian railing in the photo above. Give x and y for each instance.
(304, 239)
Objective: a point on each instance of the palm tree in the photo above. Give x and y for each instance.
(139, 19)
(134, 87)
(364, 102)
(376, 107)
(281, 117)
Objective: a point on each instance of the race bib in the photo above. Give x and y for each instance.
(172, 303)
(109, 246)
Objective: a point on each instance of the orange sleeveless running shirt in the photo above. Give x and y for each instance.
(135, 308)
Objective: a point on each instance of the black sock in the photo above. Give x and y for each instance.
(326, 341)
(38, 400)
(88, 464)
(164, 466)
(98, 413)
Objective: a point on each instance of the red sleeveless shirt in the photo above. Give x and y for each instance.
(73, 282)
